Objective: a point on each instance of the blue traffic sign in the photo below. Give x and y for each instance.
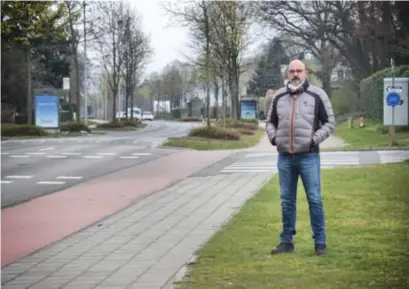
(393, 99)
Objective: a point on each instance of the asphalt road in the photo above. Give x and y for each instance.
(33, 168)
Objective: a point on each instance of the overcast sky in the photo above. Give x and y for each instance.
(168, 43)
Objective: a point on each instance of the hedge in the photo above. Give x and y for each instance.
(371, 90)
(214, 133)
(22, 130)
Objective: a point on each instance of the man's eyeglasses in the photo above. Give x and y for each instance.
(296, 70)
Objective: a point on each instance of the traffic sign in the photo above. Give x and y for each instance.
(393, 99)
(394, 88)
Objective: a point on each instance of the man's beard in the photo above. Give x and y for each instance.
(294, 84)
(296, 81)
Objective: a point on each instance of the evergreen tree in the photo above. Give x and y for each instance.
(267, 74)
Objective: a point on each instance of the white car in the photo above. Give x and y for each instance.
(147, 115)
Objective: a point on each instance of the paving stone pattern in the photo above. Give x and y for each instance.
(143, 246)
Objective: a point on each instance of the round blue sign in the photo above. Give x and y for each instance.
(393, 99)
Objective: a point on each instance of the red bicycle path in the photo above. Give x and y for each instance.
(32, 225)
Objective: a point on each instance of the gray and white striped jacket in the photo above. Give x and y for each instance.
(298, 123)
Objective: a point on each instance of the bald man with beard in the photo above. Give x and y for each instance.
(299, 119)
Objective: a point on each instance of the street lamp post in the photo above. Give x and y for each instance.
(85, 69)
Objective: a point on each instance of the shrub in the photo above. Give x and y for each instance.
(214, 133)
(74, 127)
(110, 125)
(245, 124)
(249, 120)
(246, 131)
(131, 123)
(371, 90)
(22, 130)
(192, 119)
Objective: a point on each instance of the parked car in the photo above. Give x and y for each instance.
(137, 113)
(147, 115)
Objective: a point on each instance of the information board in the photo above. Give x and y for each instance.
(47, 111)
(248, 109)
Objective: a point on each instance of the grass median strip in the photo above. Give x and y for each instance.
(200, 143)
(367, 226)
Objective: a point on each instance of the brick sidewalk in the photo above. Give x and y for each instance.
(143, 246)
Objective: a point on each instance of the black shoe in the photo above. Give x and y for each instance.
(283, 248)
(320, 249)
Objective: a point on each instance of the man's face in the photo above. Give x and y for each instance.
(296, 73)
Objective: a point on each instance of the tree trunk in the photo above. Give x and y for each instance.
(234, 89)
(29, 105)
(77, 87)
(216, 96)
(223, 101)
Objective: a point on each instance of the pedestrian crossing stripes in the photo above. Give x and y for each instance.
(393, 156)
(148, 142)
(267, 162)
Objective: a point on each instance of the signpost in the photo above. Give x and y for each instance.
(395, 103)
(47, 111)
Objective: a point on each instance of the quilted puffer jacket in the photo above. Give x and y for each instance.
(298, 123)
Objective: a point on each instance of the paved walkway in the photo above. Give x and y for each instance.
(143, 246)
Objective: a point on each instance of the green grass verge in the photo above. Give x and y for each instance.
(369, 137)
(367, 227)
(199, 143)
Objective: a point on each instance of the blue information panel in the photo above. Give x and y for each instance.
(393, 99)
(47, 111)
(248, 109)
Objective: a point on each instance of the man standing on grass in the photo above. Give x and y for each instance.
(299, 119)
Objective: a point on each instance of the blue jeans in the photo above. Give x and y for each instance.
(290, 167)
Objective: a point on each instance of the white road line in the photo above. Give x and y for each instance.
(141, 154)
(56, 157)
(106, 154)
(68, 178)
(19, 177)
(47, 149)
(92, 157)
(50, 183)
(129, 157)
(5, 153)
(6, 182)
(19, 156)
(71, 154)
(36, 153)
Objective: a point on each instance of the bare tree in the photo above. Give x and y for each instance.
(74, 13)
(306, 25)
(230, 22)
(195, 15)
(136, 52)
(109, 30)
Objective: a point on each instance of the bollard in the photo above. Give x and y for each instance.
(361, 121)
(350, 122)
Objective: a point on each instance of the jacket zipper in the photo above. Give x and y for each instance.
(292, 124)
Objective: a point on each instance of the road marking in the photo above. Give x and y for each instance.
(50, 183)
(5, 153)
(19, 177)
(6, 182)
(106, 154)
(71, 154)
(56, 157)
(47, 149)
(68, 178)
(129, 157)
(141, 154)
(36, 153)
(19, 156)
(92, 157)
